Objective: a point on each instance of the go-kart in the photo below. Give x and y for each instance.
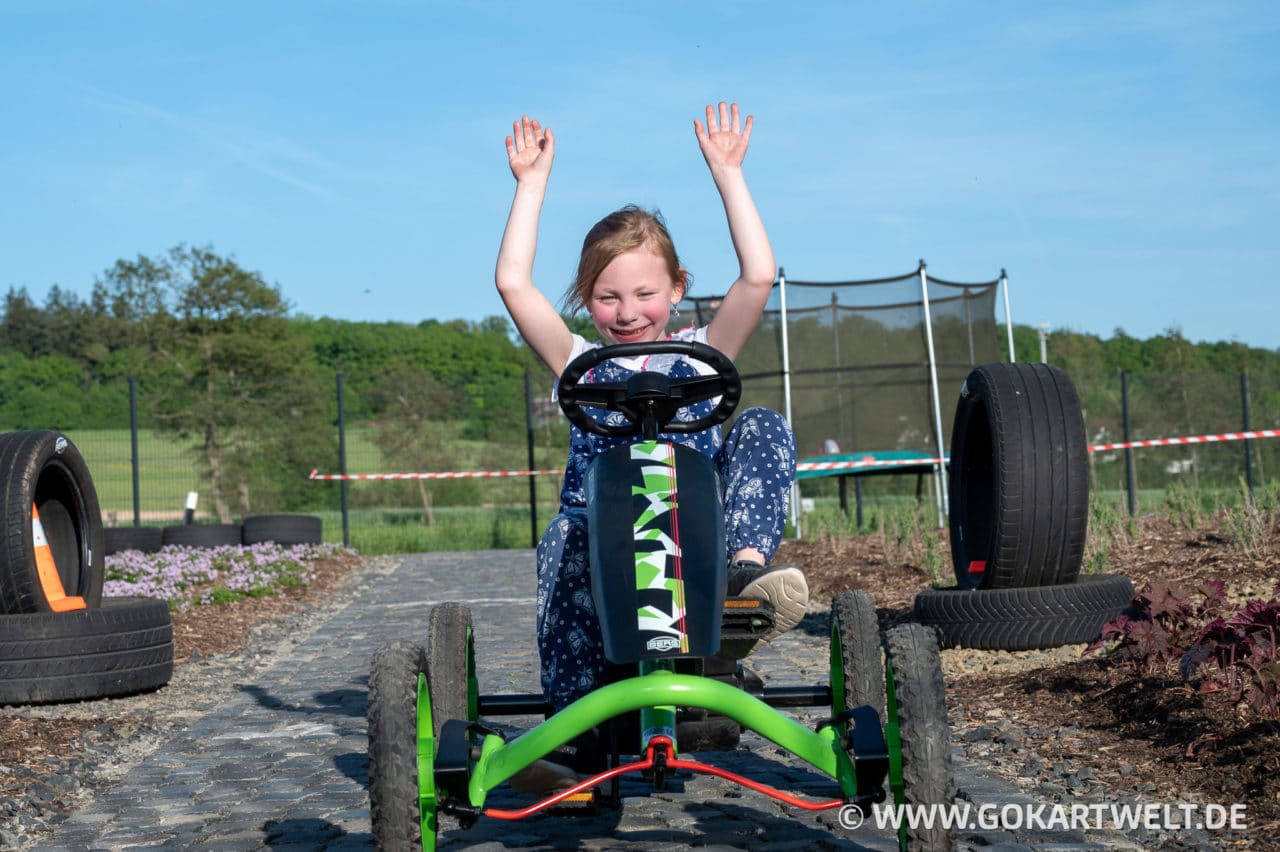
(674, 642)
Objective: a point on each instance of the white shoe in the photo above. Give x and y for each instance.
(783, 586)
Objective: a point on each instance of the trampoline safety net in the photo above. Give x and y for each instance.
(859, 357)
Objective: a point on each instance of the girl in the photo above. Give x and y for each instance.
(629, 280)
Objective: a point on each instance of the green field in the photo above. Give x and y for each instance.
(167, 470)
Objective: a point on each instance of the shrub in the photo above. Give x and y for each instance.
(1232, 650)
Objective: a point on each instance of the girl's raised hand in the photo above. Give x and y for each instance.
(724, 141)
(530, 149)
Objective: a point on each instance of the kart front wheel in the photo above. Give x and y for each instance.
(917, 733)
(451, 665)
(857, 669)
(402, 796)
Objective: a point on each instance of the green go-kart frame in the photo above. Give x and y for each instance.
(430, 754)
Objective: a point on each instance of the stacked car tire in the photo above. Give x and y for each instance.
(60, 639)
(1019, 504)
(257, 529)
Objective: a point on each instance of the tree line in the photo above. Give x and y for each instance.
(223, 365)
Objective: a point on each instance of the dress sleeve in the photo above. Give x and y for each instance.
(580, 345)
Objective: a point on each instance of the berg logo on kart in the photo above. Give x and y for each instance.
(659, 581)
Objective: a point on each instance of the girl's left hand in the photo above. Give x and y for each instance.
(723, 142)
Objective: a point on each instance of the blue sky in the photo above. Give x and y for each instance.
(1120, 160)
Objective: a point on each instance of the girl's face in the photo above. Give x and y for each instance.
(632, 299)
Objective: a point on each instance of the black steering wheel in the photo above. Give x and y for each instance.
(650, 400)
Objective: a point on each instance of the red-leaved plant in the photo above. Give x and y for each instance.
(1233, 650)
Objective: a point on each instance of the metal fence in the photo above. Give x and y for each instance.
(143, 476)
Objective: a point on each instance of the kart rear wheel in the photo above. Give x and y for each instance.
(857, 668)
(916, 730)
(451, 665)
(402, 747)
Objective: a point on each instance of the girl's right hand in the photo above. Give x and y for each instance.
(530, 149)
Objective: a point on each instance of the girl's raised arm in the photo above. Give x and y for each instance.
(530, 151)
(724, 146)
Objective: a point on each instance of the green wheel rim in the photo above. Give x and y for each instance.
(473, 683)
(426, 767)
(837, 670)
(893, 739)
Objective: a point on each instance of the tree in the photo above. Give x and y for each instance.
(240, 385)
(412, 432)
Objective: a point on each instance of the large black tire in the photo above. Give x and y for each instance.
(203, 535)
(857, 663)
(43, 468)
(1024, 619)
(393, 750)
(451, 665)
(142, 539)
(917, 703)
(1019, 482)
(122, 647)
(283, 529)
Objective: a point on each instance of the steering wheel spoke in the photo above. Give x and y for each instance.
(696, 389)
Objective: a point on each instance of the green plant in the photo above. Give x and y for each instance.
(1250, 526)
(1105, 530)
(935, 556)
(1182, 505)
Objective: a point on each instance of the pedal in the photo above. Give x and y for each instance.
(743, 622)
(746, 617)
(587, 803)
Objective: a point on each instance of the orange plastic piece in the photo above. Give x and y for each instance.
(47, 570)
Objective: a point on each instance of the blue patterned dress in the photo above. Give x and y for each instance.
(756, 462)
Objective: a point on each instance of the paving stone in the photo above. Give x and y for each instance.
(281, 764)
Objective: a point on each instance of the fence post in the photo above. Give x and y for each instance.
(1130, 474)
(133, 443)
(1248, 443)
(342, 464)
(533, 485)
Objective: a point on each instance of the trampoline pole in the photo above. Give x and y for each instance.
(1008, 317)
(786, 390)
(941, 476)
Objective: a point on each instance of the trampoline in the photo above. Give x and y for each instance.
(871, 463)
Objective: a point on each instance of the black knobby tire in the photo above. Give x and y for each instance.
(393, 747)
(203, 535)
(451, 666)
(283, 529)
(1019, 482)
(142, 539)
(43, 468)
(122, 647)
(857, 662)
(1024, 619)
(917, 699)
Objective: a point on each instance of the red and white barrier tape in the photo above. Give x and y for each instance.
(451, 474)
(1196, 439)
(869, 461)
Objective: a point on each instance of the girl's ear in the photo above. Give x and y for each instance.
(681, 284)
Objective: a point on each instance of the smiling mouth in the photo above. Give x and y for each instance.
(628, 332)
